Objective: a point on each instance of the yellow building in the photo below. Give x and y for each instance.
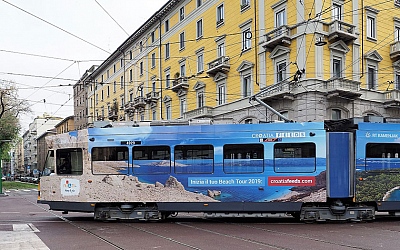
(246, 61)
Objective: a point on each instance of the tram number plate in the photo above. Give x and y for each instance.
(131, 142)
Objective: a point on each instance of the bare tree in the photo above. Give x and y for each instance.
(11, 107)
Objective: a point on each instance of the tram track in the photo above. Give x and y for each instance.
(224, 233)
(97, 236)
(283, 233)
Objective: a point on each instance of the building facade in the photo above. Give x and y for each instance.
(81, 118)
(251, 61)
(37, 127)
(65, 125)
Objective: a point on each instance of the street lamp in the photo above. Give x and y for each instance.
(1, 170)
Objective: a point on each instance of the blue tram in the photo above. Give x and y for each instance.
(151, 172)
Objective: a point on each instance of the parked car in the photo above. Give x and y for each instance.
(3, 178)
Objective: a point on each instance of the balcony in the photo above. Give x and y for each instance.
(129, 107)
(139, 101)
(277, 91)
(280, 35)
(220, 64)
(153, 96)
(180, 83)
(203, 112)
(112, 115)
(338, 29)
(343, 88)
(395, 50)
(392, 99)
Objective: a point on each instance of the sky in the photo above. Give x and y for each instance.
(47, 45)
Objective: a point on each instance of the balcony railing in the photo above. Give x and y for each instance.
(180, 83)
(342, 84)
(112, 115)
(139, 101)
(277, 90)
(395, 49)
(129, 106)
(221, 64)
(338, 29)
(202, 112)
(153, 96)
(280, 35)
(392, 99)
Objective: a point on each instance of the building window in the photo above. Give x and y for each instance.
(246, 81)
(167, 80)
(199, 29)
(153, 37)
(397, 82)
(182, 13)
(280, 71)
(336, 12)
(102, 95)
(141, 68)
(168, 111)
(108, 90)
(182, 41)
(130, 75)
(283, 113)
(115, 86)
(246, 39)
(182, 106)
(221, 49)
(140, 46)
(122, 62)
(336, 114)
(244, 4)
(199, 3)
(337, 68)
(371, 27)
(371, 77)
(396, 34)
(140, 89)
(130, 55)
(153, 60)
(166, 25)
(153, 84)
(200, 63)
(280, 18)
(183, 69)
(220, 14)
(108, 73)
(200, 99)
(114, 68)
(122, 82)
(166, 50)
(154, 114)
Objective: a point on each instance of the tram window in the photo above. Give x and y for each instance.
(295, 158)
(382, 156)
(49, 166)
(243, 158)
(110, 160)
(194, 159)
(69, 161)
(151, 160)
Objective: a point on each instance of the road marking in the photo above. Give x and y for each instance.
(22, 237)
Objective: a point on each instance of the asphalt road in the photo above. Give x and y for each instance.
(24, 224)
